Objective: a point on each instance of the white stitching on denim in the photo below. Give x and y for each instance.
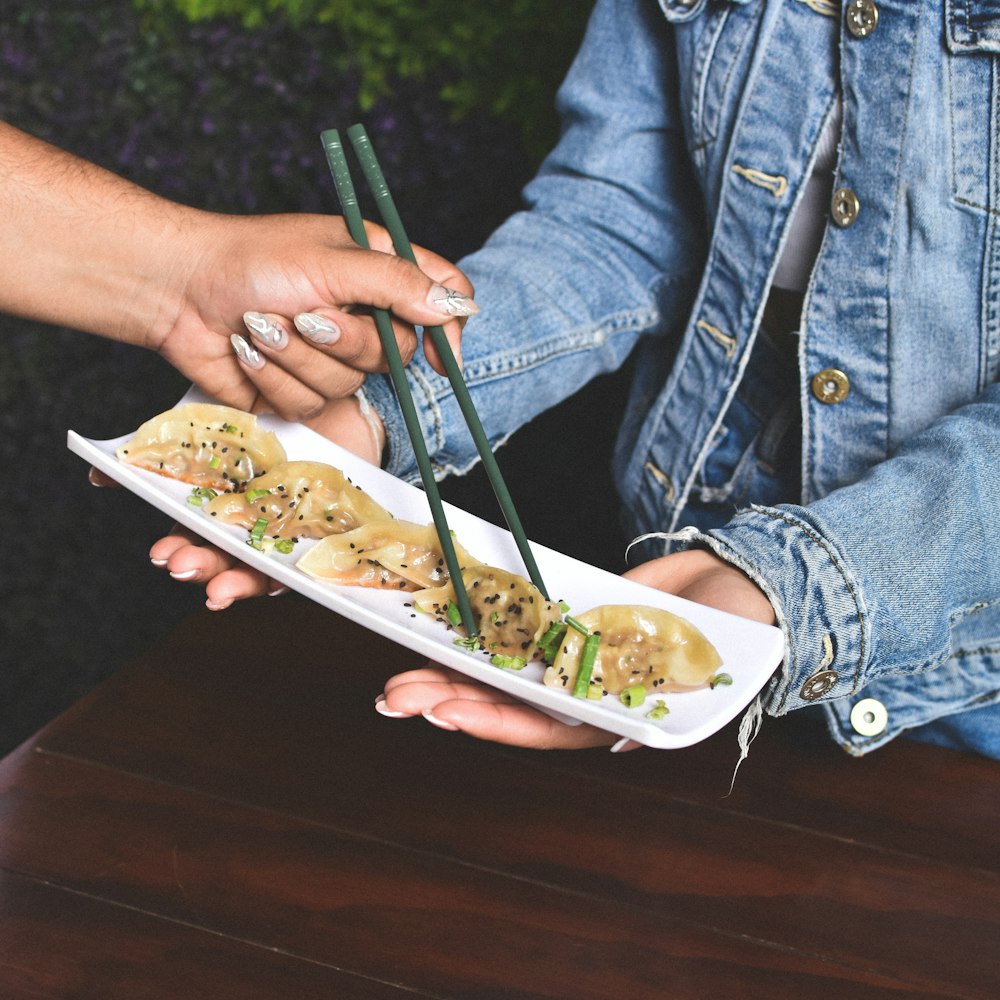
(825, 7)
(728, 342)
(827, 652)
(664, 480)
(774, 183)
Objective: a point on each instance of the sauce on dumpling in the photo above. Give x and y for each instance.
(299, 500)
(639, 646)
(206, 444)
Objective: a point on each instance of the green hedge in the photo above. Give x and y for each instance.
(502, 58)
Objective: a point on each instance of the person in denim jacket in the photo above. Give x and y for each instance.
(791, 210)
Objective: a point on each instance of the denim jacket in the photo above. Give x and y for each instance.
(690, 127)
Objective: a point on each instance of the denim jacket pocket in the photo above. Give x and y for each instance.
(972, 25)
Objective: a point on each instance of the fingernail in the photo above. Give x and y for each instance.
(625, 744)
(383, 709)
(246, 353)
(451, 303)
(266, 331)
(318, 329)
(93, 478)
(217, 605)
(278, 591)
(159, 563)
(188, 574)
(440, 723)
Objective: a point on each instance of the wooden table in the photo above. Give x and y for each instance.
(229, 817)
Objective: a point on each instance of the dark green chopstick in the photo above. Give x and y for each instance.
(352, 215)
(394, 224)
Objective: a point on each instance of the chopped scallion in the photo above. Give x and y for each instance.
(659, 710)
(633, 696)
(254, 495)
(452, 613)
(720, 680)
(214, 462)
(581, 686)
(284, 545)
(508, 662)
(579, 626)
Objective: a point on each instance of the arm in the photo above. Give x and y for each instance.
(605, 252)
(85, 248)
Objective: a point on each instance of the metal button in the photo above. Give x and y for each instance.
(818, 685)
(844, 207)
(861, 17)
(831, 385)
(869, 717)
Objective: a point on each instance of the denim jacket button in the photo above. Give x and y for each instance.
(845, 207)
(830, 386)
(861, 17)
(818, 685)
(869, 717)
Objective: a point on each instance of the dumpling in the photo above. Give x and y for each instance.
(299, 500)
(512, 614)
(206, 444)
(639, 645)
(397, 555)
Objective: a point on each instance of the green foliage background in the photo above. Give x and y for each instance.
(504, 58)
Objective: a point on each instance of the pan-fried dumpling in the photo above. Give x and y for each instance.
(639, 645)
(205, 444)
(299, 500)
(397, 555)
(511, 613)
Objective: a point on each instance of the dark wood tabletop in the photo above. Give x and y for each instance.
(229, 817)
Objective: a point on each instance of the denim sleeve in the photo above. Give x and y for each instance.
(888, 585)
(603, 253)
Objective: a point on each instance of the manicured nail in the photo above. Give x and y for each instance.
(278, 591)
(451, 303)
(159, 563)
(188, 574)
(266, 331)
(440, 723)
(246, 353)
(93, 477)
(383, 709)
(625, 744)
(217, 605)
(318, 329)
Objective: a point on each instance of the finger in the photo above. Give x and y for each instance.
(97, 478)
(514, 724)
(353, 338)
(237, 584)
(386, 281)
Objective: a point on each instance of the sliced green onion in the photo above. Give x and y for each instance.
(452, 613)
(549, 642)
(659, 710)
(720, 680)
(563, 607)
(199, 494)
(284, 545)
(579, 626)
(581, 686)
(470, 642)
(257, 532)
(214, 462)
(495, 617)
(254, 495)
(508, 662)
(230, 428)
(633, 696)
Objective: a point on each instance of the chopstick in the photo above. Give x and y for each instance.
(352, 215)
(393, 223)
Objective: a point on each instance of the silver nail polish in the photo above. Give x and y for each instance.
(250, 357)
(318, 329)
(264, 330)
(450, 302)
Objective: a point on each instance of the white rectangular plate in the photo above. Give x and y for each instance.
(750, 651)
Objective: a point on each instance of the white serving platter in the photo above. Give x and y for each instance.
(750, 651)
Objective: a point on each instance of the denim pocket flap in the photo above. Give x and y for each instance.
(972, 25)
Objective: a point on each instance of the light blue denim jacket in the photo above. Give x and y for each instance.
(690, 127)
